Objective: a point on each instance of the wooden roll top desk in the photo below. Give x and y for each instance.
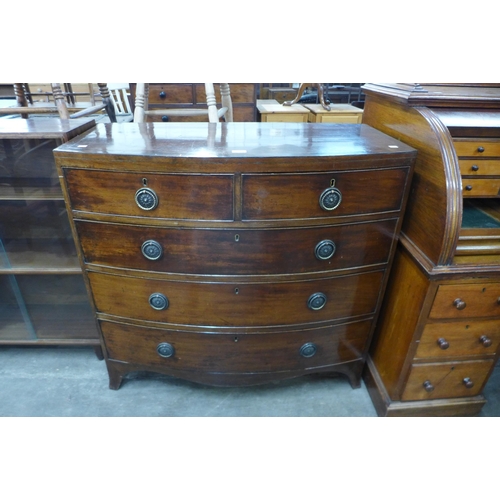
(235, 253)
(438, 337)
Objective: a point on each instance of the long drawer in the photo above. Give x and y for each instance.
(236, 352)
(477, 147)
(178, 196)
(236, 304)
(295, 196)
(242, 251)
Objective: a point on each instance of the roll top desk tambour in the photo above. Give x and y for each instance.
(239, 253)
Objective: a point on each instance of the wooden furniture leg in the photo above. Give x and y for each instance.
(106, 99)
(301, 90)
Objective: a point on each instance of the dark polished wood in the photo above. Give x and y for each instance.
(236, 271)
(427, 356)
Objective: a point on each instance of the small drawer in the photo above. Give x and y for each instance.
(166, 196)
(236, 304)
(477, 147)
(339, 118)
(466, 301)
(178, 93)
(240, 93)
(236, 252)
(475, 188)
(447, 380)
(235, 352)
(459, 339)
(308, 196)
(479, 167)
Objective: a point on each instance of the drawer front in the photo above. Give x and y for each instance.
(235, 352)
(198, 197)
(235, 304)
(479, 148)
(446, 380)
(457, 339)
(239, 252)
(339, 118)
(466, 301)
(297, 196)
(240, 93)
(479, 167)
(480, 187)
(178, 93)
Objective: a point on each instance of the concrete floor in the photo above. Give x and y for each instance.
(72, 382)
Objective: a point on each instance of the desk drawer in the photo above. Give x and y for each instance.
(225, 251)
(199, 197)
(236, 304)
(447, 380)
(297, 196)
(479, 167)
(178, 93)
(459, 339)
(477, 147)
(236, 352)
(466, 301)
(480, 187)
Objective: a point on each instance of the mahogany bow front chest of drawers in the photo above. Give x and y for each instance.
(239, 253)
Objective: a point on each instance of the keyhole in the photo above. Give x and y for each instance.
(332, 182)
(236, 291)
(236, 339)
(236, 237)
(144, 181)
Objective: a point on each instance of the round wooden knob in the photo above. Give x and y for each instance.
(162, 95)
(324, 250)
(316, 301)
(330, 198)
(468, 187)
(152, 250)
(158, 301)
(443, 343)
(165, 350)
(468, 382)
(428, 386)
(459, 304)
(475, 168)
(308, 350)
(146, 199)
(480, 149)
(485, 340)
(164, 118)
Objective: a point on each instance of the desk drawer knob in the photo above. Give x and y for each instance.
(158, 301)
(165, 350)
(475, 168)
(443, 343)
(308, 350)
(164, 118)
(324, 250)
(480, 149)
(152, 250)
(485, 340)
(468, 382)
(459, 304)
(330, 198)
(428, 386)
(162, 95)
(468, 187)
(316, 301)
(146, 199)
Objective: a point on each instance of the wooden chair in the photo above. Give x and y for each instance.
(64, 105)
(142, 111)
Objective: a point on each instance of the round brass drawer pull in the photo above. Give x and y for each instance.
(330, 198)
(146, 199)
(459, 304)
(324, 250)
(485, 340)
(468, 382)
(428, 386)
(443, 343)
(152, 250)
(165, 350)
(158, 301)
(308, 350)
(316, 301)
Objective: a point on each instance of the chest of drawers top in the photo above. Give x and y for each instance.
(236, 147)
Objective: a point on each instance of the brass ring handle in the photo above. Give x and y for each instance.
(324, 250)
(443, 343)
(308, 350)
(165, 350)
(330, 198)
(316, 301)
(146, 199)
(158, 301)
(152, 250)
(459, 304)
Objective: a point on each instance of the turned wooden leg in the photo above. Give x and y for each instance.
(226, 101)
(62, 109)
(20, 97)
(213, 117)
(106, 99)
(140, 102)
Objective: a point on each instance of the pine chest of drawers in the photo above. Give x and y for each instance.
(239, 253)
